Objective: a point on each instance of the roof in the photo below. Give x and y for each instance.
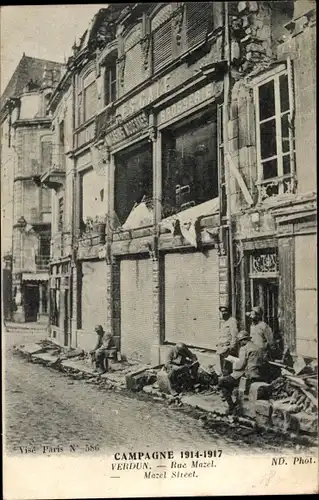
(27, 69)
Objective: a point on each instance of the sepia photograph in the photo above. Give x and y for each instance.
(159, 249)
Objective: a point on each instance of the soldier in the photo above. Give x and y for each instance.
(101, 351)
(261, 333)
(181, 366)
(250, 363)
(227, 342)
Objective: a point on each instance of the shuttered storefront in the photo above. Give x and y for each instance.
(93, 295)
(192, 298)
(136, 309)
(306, 295)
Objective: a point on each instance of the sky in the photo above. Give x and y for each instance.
(43, 31)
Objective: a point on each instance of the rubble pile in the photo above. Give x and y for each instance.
(297, 387)
(294, 403)
(280, 389)
(298, 393)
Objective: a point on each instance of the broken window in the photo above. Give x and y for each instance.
(133, 179)
(190, 171)
(275, 140)
(93, 199)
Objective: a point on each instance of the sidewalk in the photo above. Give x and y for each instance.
(10, 326)
(134, 377)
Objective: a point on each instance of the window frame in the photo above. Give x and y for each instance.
(274, 76)
(181, 129)
(81, 119)
(107, 80)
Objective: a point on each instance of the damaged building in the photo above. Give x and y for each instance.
(187, 174)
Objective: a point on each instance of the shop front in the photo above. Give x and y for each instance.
(195, 274)
(136, 296)
(93, 301)
(173, 266)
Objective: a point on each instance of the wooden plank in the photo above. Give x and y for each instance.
(287, 290)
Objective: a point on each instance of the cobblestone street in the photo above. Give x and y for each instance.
(44, 407)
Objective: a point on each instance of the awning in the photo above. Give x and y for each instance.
(35, 276)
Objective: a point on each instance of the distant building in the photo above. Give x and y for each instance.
(26, 150)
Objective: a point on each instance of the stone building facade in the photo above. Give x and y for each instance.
(26, 150)
(192, 187)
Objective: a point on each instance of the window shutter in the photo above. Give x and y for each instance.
(133, 67)
(199, 21)
(162, 45)
(90, 101)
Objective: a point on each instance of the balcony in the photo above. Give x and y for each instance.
(53, 178)
(42, 262)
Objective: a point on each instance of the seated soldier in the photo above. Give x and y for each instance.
(250, 364)
(102, 350)
(182, 367)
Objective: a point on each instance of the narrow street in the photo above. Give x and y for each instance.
(44, 407)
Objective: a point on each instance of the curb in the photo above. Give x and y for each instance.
(206, 418)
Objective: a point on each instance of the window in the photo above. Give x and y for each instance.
(60, 214)
(110, 84)
(133, 179)
(87, 98)
(44, 244)
(93, 199)
(275, 141)
(190, 170)
(61, 146)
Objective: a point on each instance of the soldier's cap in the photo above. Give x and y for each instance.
(99, 329)
(255, 310)
(224, 309)
(243, 335)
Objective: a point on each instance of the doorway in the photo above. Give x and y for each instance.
(264, 293)
(66, 317)
(31, 302)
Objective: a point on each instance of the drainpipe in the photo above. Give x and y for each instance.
(73, 296)
(227, 99)
(291, 119)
